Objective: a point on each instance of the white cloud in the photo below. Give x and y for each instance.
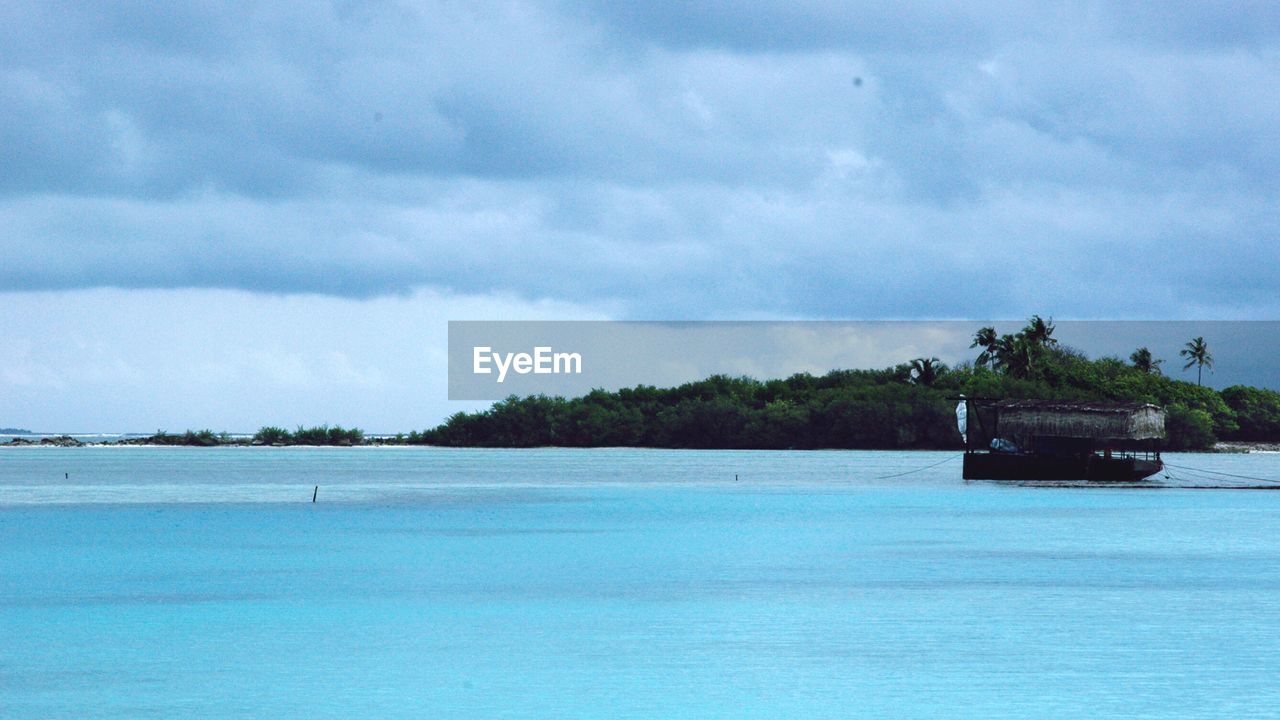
(651, 160)
(115, 360)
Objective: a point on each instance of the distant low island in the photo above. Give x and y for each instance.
(334, 435)
(907, 406)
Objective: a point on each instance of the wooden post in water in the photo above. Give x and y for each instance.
(314, 493)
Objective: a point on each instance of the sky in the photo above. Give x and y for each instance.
(290, 200)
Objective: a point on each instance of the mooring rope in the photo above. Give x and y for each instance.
(1223, 474)
(1194, 475)
(926, 467)
(1190, 481)
(1207, 474)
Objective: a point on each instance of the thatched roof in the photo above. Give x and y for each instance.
(1080, 419)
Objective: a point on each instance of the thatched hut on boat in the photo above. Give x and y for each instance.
(1103, 422)
(1061, 439)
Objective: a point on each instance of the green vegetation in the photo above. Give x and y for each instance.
(1197, 353)
(1257, 413)
(319, 435)
(197, 438)
(907, 406)
(325, 435)
(272, 435)
(1142, 360)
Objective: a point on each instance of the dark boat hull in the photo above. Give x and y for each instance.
(1023, 466)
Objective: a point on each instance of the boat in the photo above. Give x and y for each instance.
(1060, 439)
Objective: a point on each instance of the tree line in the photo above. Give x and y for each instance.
(269, 435)
(907, 406)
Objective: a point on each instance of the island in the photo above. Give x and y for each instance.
(908, 406)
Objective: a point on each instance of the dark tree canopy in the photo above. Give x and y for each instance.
(910, 405)
(906, 406)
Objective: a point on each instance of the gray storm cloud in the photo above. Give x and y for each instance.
(664, 160)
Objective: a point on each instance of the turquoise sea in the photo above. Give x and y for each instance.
(430, 583)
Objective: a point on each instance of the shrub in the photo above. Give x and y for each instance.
(1188, 429)
(1257, 412)
(272, 435)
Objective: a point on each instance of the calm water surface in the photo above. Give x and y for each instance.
(173, 582)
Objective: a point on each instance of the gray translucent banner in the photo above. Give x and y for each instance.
(490, 360)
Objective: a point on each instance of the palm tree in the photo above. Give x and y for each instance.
(925, 370)
(987, 340)
(1015, 355)
(1143, 361)
(1039, 332)
(1197, 353)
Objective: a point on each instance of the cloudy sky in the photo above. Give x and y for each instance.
(230, 214)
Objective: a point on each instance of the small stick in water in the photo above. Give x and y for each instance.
(314, 493)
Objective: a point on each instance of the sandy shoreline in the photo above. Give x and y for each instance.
(1247, 447)
(67, 441)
